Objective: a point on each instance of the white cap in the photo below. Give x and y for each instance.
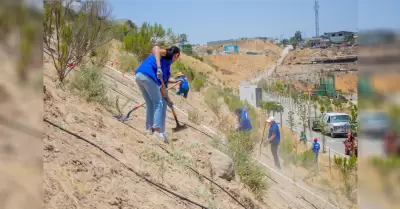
(270, 119)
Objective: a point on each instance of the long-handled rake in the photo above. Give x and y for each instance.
(122, 118)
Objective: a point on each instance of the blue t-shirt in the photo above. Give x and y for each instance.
(274, 128)
(315, 147)
(149, 68)
(244, 121)
(184, 82)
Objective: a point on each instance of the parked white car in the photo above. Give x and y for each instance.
(336, 124)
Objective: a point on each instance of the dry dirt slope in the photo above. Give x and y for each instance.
(80, 176)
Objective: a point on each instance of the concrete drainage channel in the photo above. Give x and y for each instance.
(216, 134)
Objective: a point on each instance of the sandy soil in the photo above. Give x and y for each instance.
(80, 176)
(20, 132)
(387, 82)
(238, 67)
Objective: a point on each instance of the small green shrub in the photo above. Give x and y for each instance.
(194, 117)
(197, 80)
(240, 147)
(197, 84)
(306, 159)
(127, 62)
(89, 84)
(180, 67)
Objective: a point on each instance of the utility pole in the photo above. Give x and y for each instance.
(316, 8)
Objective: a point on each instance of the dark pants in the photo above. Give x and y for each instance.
(274, 151)
(183, 92)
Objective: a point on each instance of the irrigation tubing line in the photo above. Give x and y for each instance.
(168, 152)
(216, 185)
(126, 166)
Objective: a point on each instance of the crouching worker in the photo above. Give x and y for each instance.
(303, 138)
(315, 148)
(183, 86)
(243, 121)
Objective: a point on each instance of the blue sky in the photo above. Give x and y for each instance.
(210, 20)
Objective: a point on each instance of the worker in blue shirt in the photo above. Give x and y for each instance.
(183, 86)
(148, 77)
(274, 138)
(244, 123)
(315, 148)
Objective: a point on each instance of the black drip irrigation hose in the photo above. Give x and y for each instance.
(126, 166)
(217, 186)
(168, 152)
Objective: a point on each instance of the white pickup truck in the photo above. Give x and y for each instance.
(336, 123)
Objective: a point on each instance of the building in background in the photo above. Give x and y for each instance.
(339, 37)
(230, 49)
(250, 93)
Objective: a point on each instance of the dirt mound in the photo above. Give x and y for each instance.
(305, 55)
(253, 45)
(238, 67)
(347, 82)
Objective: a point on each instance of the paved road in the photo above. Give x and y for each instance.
(368, 145)
(336, 144)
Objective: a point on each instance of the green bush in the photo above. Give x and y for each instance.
(89, 84)
(306, 159)
(127, 62)
(232, 100)
(180, 67)
(240, 147)
(197, 80)
(197, 84)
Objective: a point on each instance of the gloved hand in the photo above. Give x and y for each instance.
(159, 73)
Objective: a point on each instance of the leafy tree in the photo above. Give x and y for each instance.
(285, 42)
(69, 41)
(183, 38)
(303, 115)
(354, 118)
(290, 120)
(349, 39)
(297, 36)
(187, 49)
